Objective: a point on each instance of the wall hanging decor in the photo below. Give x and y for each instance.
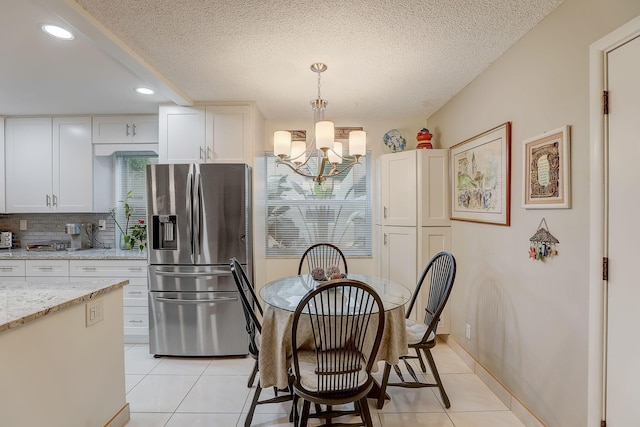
(481, 176)
(542, 244)
(546, 171)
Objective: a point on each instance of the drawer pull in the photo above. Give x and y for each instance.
(135, 321)
(88, 269)
(6, 268)
(135, 292)
(135, 268)
(44, 268)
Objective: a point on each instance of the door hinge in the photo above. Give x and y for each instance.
(605, 102)
(605, 268)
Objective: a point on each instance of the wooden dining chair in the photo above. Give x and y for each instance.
(250, 304)
(421, 336)
(322, 255)
(346, 321)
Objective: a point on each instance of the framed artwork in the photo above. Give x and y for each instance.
(481, 177)
(546, 171)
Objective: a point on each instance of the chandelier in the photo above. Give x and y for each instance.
(327, 151)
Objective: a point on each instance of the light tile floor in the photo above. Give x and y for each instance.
(192, 392)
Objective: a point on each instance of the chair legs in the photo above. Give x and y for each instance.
(252, 377)
(415, 383)
(256, 401)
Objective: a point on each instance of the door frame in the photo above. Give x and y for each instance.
(598, 167)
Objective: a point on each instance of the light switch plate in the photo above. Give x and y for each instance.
(94, 311)
(23, 224)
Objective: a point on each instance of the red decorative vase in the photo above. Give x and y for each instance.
(425, 136)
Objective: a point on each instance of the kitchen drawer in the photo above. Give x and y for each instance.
(108, 268)
(135, 294)
(47, 268)
(136, 317)
(12, 268)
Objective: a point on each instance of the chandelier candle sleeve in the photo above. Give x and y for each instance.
(357, 143)
(298, 152)
(335, 154)
(325, 133)
(282, 143)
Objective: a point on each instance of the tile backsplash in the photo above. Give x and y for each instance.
(48, 227)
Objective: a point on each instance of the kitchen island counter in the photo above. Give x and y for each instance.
(22, 302)
(61, 354)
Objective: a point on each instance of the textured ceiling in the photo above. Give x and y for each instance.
(385, 58)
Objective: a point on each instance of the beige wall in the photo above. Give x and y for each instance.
(529, 319)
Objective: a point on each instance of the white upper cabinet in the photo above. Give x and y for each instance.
(399, 188)
(49, 165)
(414, 188)
(206, 134)
(125, 129)
(182, 134)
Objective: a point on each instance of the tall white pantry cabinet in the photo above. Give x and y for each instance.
(414, 218)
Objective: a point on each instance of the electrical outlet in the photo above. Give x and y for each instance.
(102, 224)
(23, 224)
(94, 311)
(467, 331)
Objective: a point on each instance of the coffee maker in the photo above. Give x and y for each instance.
(81, 236)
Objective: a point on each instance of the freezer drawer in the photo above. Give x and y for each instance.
(196, 324)
(183, 278)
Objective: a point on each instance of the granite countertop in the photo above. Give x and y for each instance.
(22, 302)
(134, 254)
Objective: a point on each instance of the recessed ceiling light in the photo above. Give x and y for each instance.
(144, 90)
(58, 32)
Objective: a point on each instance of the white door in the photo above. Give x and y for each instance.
(144, 129)
(623, 346)
(228, 134)
(399, 255)
(112, 129)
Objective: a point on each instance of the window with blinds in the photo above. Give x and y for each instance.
(301, 212)
(131, 178)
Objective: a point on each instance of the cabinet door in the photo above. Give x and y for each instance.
(72, 165)
(144, 129)
(112, 130)
(399, 188)
(431, 241)
(56, 269)
(399, 255)
(182, 134)
(228, 134)
(29, 164)
(433, 187)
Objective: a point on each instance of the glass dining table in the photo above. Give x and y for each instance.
(281, 298)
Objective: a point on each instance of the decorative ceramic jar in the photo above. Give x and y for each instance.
(394, 141)
(424, 137)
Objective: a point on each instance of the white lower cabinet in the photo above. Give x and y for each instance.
(47, 270)
(12, 270)
(135, 302)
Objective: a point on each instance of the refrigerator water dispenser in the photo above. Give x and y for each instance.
(164, 232)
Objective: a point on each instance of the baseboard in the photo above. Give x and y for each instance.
(121, 418)
(519, 409)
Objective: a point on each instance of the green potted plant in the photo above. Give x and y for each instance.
(131, 234)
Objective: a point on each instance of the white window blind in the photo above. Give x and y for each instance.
(131, 175)
(301, 212)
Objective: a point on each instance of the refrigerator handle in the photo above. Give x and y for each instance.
(197, 213)
(190, 210)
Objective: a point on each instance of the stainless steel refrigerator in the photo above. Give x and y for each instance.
(199, 216)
